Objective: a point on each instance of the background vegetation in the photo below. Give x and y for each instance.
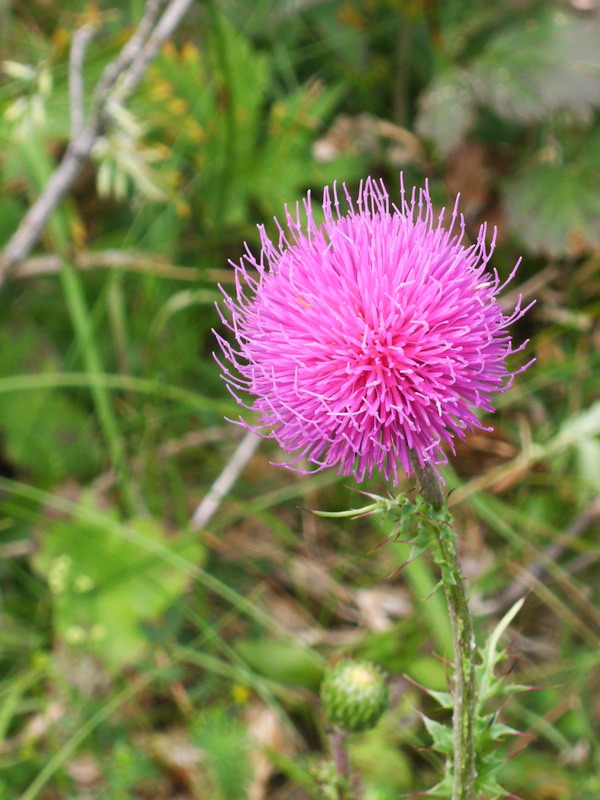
(143, 658)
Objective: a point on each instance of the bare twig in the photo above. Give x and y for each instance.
(17, 548)
(126, 260)
(128, 53)
(225, 481)
(165, 27)
(34, 221)
(128, 68)
(81, 40)
(530, 288)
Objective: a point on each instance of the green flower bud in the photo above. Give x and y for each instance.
(355, 695)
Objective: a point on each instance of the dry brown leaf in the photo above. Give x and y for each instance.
(267, 731)
(39, 724)
(468, 175)
(179, 758)
(313, 579)
(84, 770)
(483, 450)
(379, 608)
(285, 610)
(367, 134)
(35, 728)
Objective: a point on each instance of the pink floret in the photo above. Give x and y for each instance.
(372, 334)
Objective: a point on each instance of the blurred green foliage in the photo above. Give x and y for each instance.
(107, 580)
(141, 659)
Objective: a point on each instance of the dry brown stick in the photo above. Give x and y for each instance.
(33, 223)
(81, 40)
(126, 70)
(129, 51)
(127, 260)
(227, 478)
(530, 288)
(166, 25)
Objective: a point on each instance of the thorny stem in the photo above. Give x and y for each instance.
(463, 638)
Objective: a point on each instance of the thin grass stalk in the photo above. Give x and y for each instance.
(80, 318)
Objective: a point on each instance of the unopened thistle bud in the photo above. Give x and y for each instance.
(355, 695)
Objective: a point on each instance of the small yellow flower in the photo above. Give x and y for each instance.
(241, 694)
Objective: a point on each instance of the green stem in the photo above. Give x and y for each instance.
(463, 640)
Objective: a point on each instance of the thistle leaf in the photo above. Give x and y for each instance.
(446, 111)
(555, 209)
(529, 71)
(445, 699)
(441, 735)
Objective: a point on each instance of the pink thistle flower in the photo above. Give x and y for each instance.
(369, 335)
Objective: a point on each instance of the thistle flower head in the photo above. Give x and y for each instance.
(366, 336)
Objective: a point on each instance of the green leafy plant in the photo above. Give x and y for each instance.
(223, 741)
(489, 732)
(108, 580)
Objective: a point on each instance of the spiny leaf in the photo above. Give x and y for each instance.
(500, 731)
(529, 71)
(441, 735)
(441, 789)
(555, 208)
(446, 111)
(445, 699)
